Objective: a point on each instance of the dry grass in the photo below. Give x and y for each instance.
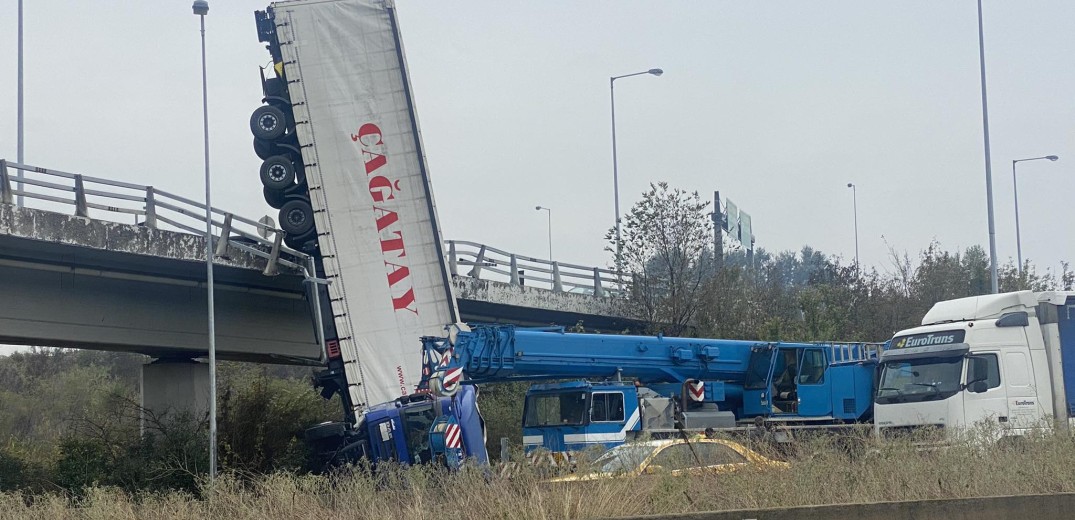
(822, 472)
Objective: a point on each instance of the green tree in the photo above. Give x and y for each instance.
(666, 236)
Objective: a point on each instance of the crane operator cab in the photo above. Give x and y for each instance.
(785, 396)
(809, 382)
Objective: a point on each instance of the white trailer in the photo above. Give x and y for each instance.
(998, 358)
(345, 166)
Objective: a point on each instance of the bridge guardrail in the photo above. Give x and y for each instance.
(157, 206)
(153, 207)
(489, 263)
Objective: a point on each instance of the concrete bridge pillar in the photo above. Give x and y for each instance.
(172, 387)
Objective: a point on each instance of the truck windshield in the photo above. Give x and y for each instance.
(562, 408)
(416, 423)
(921, 379)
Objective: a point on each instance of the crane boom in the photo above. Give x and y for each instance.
(505, 353)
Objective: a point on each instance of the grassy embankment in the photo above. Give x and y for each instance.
(820, 473)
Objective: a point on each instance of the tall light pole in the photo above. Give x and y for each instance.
(549, 210)
(855, 199)
(615, 161)
(988, 166)
(201, 8)
(19, 147)
(1015, 190)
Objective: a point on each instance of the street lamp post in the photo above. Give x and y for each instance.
(1015, 190)
(201, 8)
(855, 200)
(988, 165)
(549, 210)
(615, 162)
(19, 146)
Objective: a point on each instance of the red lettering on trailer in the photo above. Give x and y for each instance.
(383, 189)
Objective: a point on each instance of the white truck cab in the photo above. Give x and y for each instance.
(997, 357)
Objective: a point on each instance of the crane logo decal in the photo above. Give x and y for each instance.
(383, 191)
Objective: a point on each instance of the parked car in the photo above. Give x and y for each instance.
(676, 457)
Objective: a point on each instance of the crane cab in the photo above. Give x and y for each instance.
(572, 416)
(810, 382)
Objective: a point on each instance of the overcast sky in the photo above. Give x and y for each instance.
(777, 104)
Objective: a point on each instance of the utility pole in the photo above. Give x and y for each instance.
(988, 165)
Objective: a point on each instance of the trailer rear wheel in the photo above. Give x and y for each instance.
(274, 198)
(265, 149)
(277, 173)
(305, 243)
(296, 217)
(268, 122)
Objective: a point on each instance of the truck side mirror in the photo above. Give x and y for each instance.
(978, 387)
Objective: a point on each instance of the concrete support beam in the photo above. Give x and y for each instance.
(174, 387)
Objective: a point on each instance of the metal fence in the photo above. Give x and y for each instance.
(489, 263)
(152, 208)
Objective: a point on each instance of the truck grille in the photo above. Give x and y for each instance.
(920, 433)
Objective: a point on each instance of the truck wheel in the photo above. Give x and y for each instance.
(277, 173)
(265, 149)
(300, 243)
(296, 217)
(268, 122)
(274, 198)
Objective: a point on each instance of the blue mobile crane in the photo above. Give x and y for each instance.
(656, 385)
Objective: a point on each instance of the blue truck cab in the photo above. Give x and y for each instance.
(812, 382)
(408, 430)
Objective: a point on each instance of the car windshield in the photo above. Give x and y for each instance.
(921, 379)
(626, 457)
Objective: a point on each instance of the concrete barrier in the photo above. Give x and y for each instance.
(1038, 507)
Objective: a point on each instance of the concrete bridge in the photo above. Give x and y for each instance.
(80, 282)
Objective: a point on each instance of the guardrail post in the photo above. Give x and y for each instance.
(557, 285)
(151, 209)
(453, 259)
(5, 184)
(271, 269)
(598, 291)
(514, 270)
(81, 210)
(225, 235)
(476, 271)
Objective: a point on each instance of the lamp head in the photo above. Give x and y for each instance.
(850, 185)
(1052, 157)
(655, 72)
(201, 7)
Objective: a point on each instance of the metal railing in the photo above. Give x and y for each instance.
(489, 263)
(159, 209)
(152, 208)
(844, 352)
